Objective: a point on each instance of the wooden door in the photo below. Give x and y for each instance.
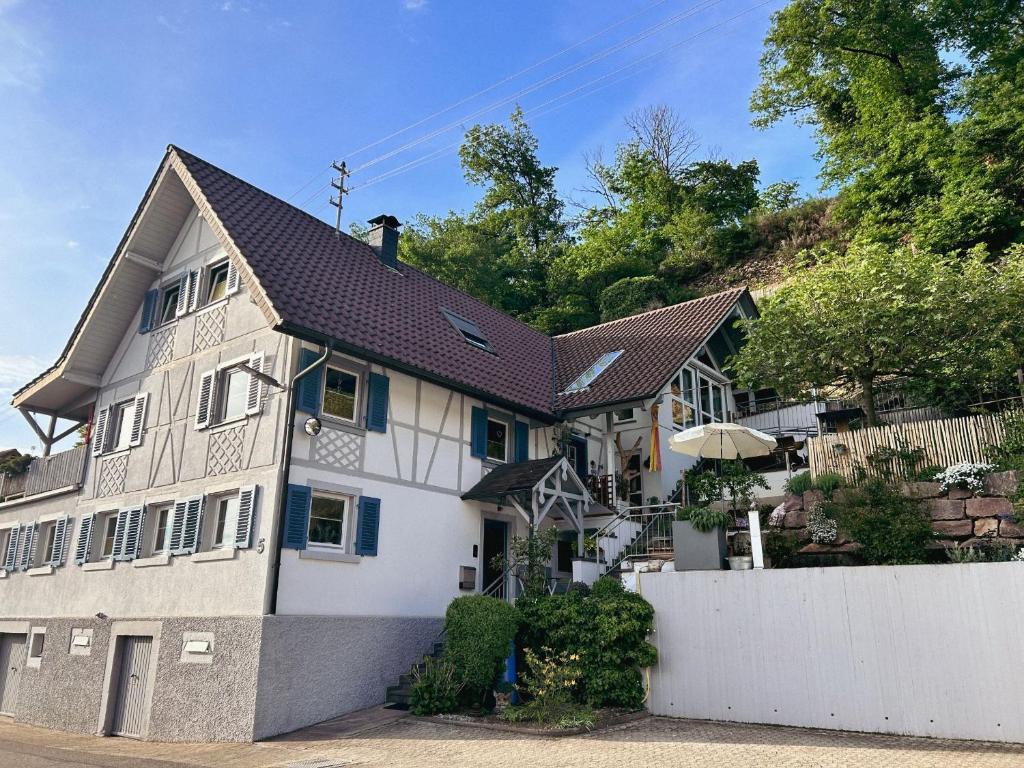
(12, 663)
(129, 715)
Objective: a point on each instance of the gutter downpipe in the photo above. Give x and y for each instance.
(286, 462)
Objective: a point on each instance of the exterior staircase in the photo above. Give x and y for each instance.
(398, 696)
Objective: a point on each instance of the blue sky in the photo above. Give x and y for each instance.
(91, 94)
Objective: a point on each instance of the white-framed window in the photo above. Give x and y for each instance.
(497, 440)
(330, 519)
(169, 302)
(683, 397)
(232, 394)
(122, 418)
(341, 394)
(161, 519)
(47, 539)
(5, 543)
(225, 520)
(216, 282)
(585, 379)
(625, 414)
(107, 522)
(120, 426)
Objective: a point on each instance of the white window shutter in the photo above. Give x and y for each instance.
(182, 306)
(11, 555)
(254, 400)
(60, 536)
(193, 524)
(28, 546)
(99, 432)
(177, 526)
(128, 545)
(246, 514)
(84, 544)
(233, 280)
(195, 284)
(139, 419)
(205, 407)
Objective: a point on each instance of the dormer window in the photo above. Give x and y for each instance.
(469, 330)
(585, 379)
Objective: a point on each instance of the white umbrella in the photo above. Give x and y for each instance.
(722, 441)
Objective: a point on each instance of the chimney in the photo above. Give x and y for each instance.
(383, 238)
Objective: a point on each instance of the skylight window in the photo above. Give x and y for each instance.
(469, 330)
(585, 379)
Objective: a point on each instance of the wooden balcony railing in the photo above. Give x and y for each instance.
(47, 473)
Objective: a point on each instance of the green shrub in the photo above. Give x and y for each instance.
(799, 484)
(704, 519)
(479, 634)
(927, 473)
(828, 483)
(780, 547)
(435, 689)
(891, 528)
(1010, 453)
(607, 629)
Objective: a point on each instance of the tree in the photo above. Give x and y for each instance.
(875, 313)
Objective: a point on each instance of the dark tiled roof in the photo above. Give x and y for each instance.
(337, 287)
(654, 345)
(510, 478)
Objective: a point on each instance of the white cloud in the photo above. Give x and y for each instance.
(21, 60)
(18, 370)
(414, 5)
(72, 244)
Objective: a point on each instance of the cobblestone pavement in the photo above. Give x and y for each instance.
(409, 742)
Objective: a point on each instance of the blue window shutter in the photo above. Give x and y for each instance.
(148, 310)
(296, 518)
(522, 441)
(307, 398)
(368, 526)
(478, 433)
(377, 403)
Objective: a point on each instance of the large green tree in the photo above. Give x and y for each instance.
(874, 313)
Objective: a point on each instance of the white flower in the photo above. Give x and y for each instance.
(1019, 557)
(968, 476)
(823, 530)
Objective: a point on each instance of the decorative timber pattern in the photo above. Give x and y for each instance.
(226, 451)
(339, 449)
(944, 442)
(112, 475)
(210, 327)
(161, 347)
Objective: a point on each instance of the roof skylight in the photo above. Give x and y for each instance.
(469, 330)
(585, 379)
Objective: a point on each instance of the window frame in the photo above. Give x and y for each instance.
(44, 554)
(627, 420)
(346, 544)
(5, 540)
(119, 426)
(487, 443)
(469, 331)
(105, 519)
(208, 281)
(221, 528)
(153, 513)
(223, 375)
(357, 399)
(165, 294)
(593, 372)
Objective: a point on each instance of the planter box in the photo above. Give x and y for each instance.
(585, 571)
(696, 551)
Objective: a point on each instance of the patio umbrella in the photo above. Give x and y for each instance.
(655, 460)
(722, 441)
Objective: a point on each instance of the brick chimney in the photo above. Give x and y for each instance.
(383, 238)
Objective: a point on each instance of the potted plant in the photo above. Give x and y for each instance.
(698, 535)
(741, 559)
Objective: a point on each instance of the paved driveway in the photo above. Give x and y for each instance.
(408, 742)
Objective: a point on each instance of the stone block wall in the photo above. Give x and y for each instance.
(958, 516)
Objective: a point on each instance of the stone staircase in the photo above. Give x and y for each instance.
(398, 696)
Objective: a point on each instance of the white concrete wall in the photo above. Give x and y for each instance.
(927, 650)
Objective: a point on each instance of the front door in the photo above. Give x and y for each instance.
(131, 686)
(495, 543)
(12, 662)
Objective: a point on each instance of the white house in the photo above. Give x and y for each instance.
(299, 451)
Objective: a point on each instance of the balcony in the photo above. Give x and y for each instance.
(61, 471)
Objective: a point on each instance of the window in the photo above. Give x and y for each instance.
(123, 417)
(227, 521)
(36, 643)
(5, 542)
(634, 481)
(328, 518)
(162, 519)
(469, 330)
(217, 282)
(683, 399)
(625, 414)
(341, 392)
(233, 390)
(108, 529)
(48, 536)
(169, 302)
(585, 379)
(497, 440)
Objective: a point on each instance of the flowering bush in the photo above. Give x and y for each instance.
(823, 529)
(1019, 557)
(549, 684)
(968, 477)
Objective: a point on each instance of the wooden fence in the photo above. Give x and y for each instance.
(46, 473)
(941, 442)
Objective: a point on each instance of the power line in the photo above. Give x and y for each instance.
(560, 75)
(483, 91)
(571, 95)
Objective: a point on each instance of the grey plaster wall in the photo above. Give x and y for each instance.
(313, 668)
(65, 691)
(207, 702)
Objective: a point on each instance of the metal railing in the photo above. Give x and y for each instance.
(635, 533)
(46, 473)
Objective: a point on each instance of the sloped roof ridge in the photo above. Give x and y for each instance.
(627, 318)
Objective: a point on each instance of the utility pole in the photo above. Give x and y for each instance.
(340, 200)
